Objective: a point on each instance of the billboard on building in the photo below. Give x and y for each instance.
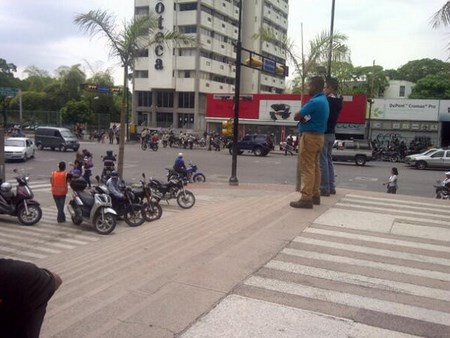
(279, 109)
(400, 109)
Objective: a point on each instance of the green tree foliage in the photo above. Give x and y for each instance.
(77, 111)
(71, 80)
(7, 71)
(369, 80)
(37, 79)
(435, 86)
(418, 69)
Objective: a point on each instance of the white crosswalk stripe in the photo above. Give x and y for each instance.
(47, 237)
(350, 266)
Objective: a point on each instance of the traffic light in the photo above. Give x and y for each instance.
(254, 62)
(116, 90)
(90, 87)
(227, 128)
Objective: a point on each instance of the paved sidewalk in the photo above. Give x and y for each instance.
(245, 264)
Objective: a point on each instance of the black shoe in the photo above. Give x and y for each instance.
(333, 191)
(316, 200)
(324, 193)
(303, 204)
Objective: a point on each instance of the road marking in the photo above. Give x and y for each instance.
(348, 299)
(360, 280)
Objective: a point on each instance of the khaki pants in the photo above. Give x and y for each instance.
(309, 164)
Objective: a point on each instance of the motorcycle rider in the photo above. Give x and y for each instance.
(113, 185)
(179, 165)
(446, 182)
(88, 165)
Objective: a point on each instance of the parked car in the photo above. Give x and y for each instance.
(56, 138)
(438, 158)
(359, 151)
(19, 148)
(409, 158)
(258, 144)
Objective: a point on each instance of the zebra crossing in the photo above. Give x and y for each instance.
(367, 267)
(47, 237)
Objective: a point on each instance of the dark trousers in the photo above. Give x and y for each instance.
(87, 174)
(60, 201)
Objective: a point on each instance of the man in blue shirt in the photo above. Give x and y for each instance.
(312, 117)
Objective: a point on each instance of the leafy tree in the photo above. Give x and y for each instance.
(369, 80)
(392, 74)
(37, 79)
(7, 68)
(442, 16)
(434, 86)
(7, 71)
(71, 80)
(418, 69)
(77, 111)
(140, 33)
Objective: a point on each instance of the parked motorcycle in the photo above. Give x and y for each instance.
(126, 208)
(21, 203)
(93, 206)
(174, 189)
(108, 166)
(143, 195)
(192, 174)
(442, 191)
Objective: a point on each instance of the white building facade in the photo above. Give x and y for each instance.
(398, 89)
(170, 83)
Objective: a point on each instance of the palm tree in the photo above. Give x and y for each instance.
(314, 63)
(126, 44)
(442, 16)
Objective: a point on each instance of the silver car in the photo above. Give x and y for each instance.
(439, 158)
(19, 148)
(409, 158)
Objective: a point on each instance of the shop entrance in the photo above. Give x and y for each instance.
(445, 134)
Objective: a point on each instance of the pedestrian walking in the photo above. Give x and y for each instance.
(117, 135)
(392, 183)
(59, 179)
(289, 145)
(25, 290)
(88, 164)
(313, 118)
(335, 102)
(111, 135)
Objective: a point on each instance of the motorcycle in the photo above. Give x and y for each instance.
(192, 174)
(93, 207)
(143, 195)
(108, 167)
(126, 208)
(20, 204)
(151, 145)
(174, 189)
(442, 191)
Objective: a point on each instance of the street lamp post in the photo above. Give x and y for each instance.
(237, 92)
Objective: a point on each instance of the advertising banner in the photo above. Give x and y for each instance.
(398, 109)
(278, 110)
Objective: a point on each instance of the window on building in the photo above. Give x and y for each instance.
(141, 74)
(164, 120)
(402, 91)
(187, 29)
(186, 100)
(142, 53)
(164, 99)
(141, 10)
(186, 121)
(144, 99)
(191, 6)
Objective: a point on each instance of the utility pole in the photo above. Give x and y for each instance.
(237, 92)
(330, 53)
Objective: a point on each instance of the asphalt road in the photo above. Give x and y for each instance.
(272, 169)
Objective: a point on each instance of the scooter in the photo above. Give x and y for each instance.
(93, 207)
(108, 166)
(442, 191)
(174, 189)
(20, 204)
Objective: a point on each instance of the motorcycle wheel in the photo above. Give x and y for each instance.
(439, 195)
(152, 211)
(186, 200)
(134, 215)
(144, 146)
(32, 217)
(155, 148)
(199, 178)
(77, 220)
(105, 225)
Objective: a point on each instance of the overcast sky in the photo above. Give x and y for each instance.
(391, 32)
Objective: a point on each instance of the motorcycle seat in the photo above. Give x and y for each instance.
(86, 197)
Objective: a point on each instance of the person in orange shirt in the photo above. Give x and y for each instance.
(59, 180)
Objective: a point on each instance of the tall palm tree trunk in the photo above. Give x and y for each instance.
(122, 121)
